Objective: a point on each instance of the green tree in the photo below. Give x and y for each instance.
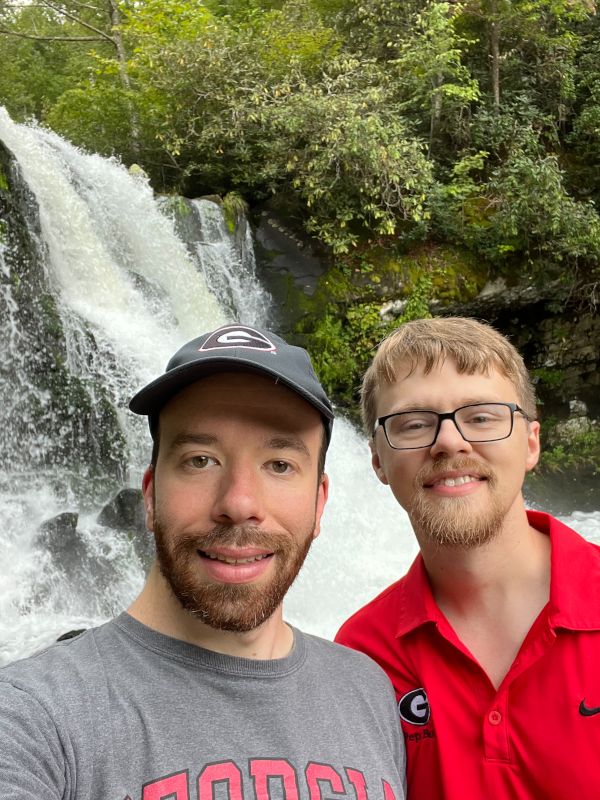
(430, 72)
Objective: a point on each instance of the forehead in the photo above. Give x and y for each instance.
(243, 396)
(443, 388)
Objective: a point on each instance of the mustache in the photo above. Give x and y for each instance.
(231, 536)
(429, 472)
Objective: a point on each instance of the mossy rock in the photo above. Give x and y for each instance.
(176, 205)
(381, 272)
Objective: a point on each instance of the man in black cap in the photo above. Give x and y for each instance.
(201, 690)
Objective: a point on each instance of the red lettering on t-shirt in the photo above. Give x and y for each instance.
(171, 787)
(388, 792)
(322, 772)
(264, 769)
(216, 773)
(357, 779)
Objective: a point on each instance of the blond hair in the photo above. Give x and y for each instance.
(473, 347)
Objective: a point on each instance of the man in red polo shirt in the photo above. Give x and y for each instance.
(492, 639)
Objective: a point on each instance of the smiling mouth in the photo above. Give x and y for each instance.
(234, 561)
(459, 481)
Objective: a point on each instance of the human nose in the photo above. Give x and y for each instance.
(449, 439)
(239, 498)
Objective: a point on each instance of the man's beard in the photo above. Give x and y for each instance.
(238, 607)
(452, 521)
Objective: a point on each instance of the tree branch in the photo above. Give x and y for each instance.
(52, 38)
(74, 18)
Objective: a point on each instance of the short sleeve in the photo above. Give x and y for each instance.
(32, 763)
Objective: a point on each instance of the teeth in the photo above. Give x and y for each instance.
(457, 481)
(235, 561)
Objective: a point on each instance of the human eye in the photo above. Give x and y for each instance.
(410, 422)
(479, 419)
(199, 462)
(280, 467)
(482, 416)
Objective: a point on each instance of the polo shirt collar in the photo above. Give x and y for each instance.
(574, 584)
(416, 605)
(575, 576)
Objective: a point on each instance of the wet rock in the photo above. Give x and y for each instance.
(59, 536)
(126, 513)
(561, 493)
(70, 634)
(281, 251)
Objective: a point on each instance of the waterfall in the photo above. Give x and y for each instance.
(229, 266)
(119, 287)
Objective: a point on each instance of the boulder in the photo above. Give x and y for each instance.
(59, 536)
(126, 513)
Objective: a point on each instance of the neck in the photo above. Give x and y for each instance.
(491, 595)
(515, 562)
(158, 608)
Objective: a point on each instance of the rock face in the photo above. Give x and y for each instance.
(48, 416)
(558, 336)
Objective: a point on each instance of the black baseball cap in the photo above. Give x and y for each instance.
(235, 348)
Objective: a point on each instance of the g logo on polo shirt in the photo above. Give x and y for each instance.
(414, 707)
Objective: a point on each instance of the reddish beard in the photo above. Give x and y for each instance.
(231, 607)
(452, 521)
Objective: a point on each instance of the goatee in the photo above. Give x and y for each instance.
(452, 521)
(237, 607)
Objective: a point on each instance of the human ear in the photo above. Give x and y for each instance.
(376, 463)
(322, 494)
(148, 492)
(533, 445)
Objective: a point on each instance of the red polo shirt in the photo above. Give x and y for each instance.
(538, 736)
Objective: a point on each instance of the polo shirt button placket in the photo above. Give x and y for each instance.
(495, 733)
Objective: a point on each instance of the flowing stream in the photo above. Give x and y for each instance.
(129, 291)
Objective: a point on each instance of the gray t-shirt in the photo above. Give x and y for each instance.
(125, 713)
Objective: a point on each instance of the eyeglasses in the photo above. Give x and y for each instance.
(479, 422)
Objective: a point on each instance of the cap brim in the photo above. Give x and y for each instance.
(151, 399)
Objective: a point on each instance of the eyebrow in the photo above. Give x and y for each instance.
(418, 405)
(288, 443)
(275, 443)
(192, 438)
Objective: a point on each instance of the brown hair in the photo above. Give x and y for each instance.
(473, 346)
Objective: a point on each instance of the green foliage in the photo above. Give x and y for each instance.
(473, 125)
(548, 377)
(430, 72)
(417, 306)
(234, 208)
(342, 345)
(344, 339)
(97, 117)
(533, 213)
(511, 200)
(580, 451)
(355, 167)
(36, 71)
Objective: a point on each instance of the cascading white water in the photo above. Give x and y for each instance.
(118, 270)
(228, 268)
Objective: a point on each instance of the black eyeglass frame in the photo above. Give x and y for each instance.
(514, 408)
